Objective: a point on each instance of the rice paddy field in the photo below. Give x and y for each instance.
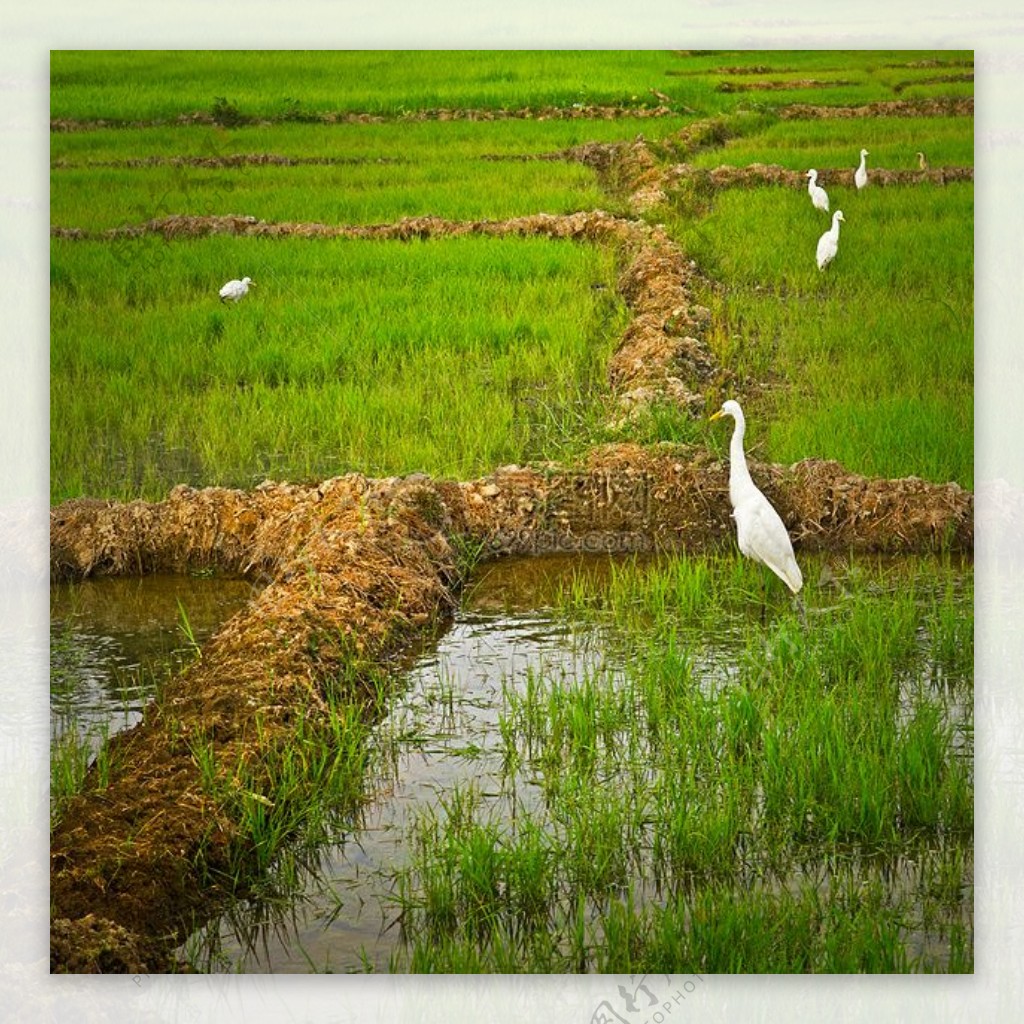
(625, 763)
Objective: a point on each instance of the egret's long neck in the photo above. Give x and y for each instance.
(835, 227)
(738, 472)
(862, 162)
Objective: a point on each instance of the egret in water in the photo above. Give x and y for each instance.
(828, 244)
(922, 161)
(860, 176)
(235, 290)
(818, 195)
(760, 531)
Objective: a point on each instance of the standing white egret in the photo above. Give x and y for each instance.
(235, 290)
(828, 244)
(922, 161)
(860, 176)
(818, 195)
(760, 530)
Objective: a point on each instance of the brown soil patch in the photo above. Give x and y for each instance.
(967, 76)
(934, 63)
(229, 160)
(758, 175)
(578, 111)
(778, 85)
(883, 108)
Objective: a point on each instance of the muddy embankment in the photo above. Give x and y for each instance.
(353, 570)
(231, 117)
(359, 568)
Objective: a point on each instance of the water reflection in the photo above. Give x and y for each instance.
(113, 639)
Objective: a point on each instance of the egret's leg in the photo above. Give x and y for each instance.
(798, 601)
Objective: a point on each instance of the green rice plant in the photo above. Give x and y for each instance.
(284, 806)
(236, 85)
(390, 144)
(878, 350)
(767, 805)
(70, 756)
(97, 198)
(892, 143)
(449, 357)
(150, 84)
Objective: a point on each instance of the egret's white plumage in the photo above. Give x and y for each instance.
(818, 195)
(860, 176)
(922, 161)
(760, 530)
(828, 244)
(234, 290)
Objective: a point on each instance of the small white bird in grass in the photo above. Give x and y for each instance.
(760, 530)
(235, 290)
(828, 244)
(818, 195)
(922, 161)
(860, 176)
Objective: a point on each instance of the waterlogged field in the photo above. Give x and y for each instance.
(617, 767)
(605, 765)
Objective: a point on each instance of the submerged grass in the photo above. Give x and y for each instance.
(449, 357)
(786, 797)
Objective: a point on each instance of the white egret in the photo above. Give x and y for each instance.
(760, 531)
(860, 176)
(828, 244)
(922, 161)
(235, 290)
(818, 195)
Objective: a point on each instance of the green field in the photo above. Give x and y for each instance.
(153, 382)
(743, 797)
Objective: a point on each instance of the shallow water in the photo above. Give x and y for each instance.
(113, 638)
(450, 707)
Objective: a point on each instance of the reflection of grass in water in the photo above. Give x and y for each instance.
(282, 810)
(808, 810)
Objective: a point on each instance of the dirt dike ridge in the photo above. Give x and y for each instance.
(756, 175)
(359, 569)
(235, 119)
(939, 107)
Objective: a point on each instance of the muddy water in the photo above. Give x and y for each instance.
(442, 731)
(112, 640)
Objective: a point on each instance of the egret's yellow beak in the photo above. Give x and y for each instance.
(717, 415)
